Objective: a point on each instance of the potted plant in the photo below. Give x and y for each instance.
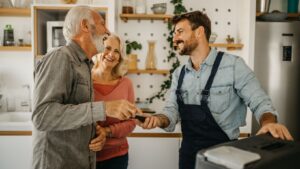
(132, 58)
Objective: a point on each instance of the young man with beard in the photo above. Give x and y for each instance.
(65, 115)
(210, 93)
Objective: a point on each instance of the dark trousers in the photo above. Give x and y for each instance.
(120, 162)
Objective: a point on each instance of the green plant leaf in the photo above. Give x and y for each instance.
(178, 9)
(134, 45)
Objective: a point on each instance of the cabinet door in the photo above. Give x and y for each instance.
(15, 152)
(153, 153)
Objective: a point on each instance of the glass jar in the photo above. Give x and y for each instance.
(140, 7)
(127, 6)
(8, 38)
(151, 57)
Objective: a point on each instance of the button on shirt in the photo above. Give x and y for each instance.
(234, 88)
(64, 112)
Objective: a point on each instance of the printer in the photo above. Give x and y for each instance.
(257, 152)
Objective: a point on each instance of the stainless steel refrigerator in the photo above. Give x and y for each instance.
(277, 66)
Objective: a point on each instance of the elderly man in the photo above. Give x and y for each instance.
(64, 113)
(210, 93)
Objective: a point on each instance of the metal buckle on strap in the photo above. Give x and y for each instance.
(178, 94)
(205, 95)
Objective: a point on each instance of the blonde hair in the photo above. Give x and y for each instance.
(121, 68)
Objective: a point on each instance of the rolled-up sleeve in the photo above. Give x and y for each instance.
(54, 83)
(250, 90)
(171, 107)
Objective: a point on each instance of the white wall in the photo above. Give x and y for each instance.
(236, 22)
(16, 67)
(228, 17)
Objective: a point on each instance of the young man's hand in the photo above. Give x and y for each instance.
(153, 121)
(150, 122)
(276, 130)
(268, 121)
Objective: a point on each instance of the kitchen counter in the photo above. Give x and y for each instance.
(25, 129)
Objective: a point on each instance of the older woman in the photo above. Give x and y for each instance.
(110, 84)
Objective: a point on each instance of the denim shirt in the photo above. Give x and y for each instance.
(64, 113)
(234, 88)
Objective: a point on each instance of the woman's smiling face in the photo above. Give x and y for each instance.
(111, 55)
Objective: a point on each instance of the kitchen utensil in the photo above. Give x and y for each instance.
(274, 16)
(263, 6)
(160, 8)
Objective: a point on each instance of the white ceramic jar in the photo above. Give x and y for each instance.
(140, 7)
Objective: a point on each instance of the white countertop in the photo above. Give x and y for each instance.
(27, 126)
(8, 124)
(138, 129)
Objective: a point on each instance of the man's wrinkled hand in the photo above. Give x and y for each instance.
(121, 109)
(98, 142)
(276, 130)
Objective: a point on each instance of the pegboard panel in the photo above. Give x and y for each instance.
(222, 13)
(142, 31)
(224, 17)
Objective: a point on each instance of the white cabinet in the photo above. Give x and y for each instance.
(15, 152)
(153, 153)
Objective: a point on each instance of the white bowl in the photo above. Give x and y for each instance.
(160, 8)
(213, 38)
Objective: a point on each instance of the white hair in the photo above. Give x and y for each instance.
(73, 19)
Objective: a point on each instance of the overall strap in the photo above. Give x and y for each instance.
(180, 80)
(205, 92)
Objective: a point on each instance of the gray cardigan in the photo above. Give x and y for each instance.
(64, 113)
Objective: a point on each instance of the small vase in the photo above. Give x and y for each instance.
(132, 62)
(151, 58)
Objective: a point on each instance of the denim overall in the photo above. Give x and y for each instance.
(199, 128)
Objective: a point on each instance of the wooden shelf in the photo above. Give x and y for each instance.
(290, 15)
(229, 46)
(138, 71)
(15, 12)
(126, 17)
(293, 15)
(15, 48)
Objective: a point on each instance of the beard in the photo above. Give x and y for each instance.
(98, 42)
(187, 47)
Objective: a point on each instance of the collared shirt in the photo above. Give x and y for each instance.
(64, 113)
(234, 88)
